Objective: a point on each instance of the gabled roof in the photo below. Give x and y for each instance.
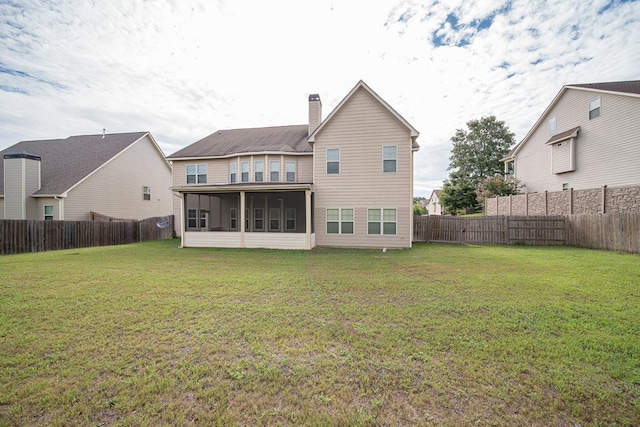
(628, 88)
(363, 86)
(66, 162)
(571, 133)
(223, 143)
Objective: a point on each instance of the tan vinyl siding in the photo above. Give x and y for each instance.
(606, 149)
(21, 178)
(116, 188)
(360, 130)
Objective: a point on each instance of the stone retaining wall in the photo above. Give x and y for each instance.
(589, 201)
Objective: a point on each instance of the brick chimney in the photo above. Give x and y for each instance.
(315, 112)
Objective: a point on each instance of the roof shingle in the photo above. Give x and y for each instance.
(280, 139)
(65, 162)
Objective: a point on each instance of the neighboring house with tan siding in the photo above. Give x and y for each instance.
(586, 138)
(344, 181)
(122, 175)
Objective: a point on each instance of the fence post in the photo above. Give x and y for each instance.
(506, 230)
(604, 199)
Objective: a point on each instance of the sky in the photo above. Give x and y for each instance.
(182, 69)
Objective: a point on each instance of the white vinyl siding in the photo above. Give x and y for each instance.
(562, 157)
(141, 164)
(605, 150)
(553, 126)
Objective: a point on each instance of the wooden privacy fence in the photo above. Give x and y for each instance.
(528, 230)
(18, 236)
(614, 231)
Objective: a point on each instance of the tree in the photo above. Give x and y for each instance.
(419, 210)
(456, 197)
(497, 185)
(476, 154)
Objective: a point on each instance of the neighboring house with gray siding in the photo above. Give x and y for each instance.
(344, 181)
(586, 138)
(122, 175)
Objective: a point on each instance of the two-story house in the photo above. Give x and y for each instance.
(586, 138)
(121, 175)
(345, 181)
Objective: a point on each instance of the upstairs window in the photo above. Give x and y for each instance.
(196, 174)
(594, 108)
(146, 192)
(552, 126)
(389, 158)
(274, 170)
(244, 171)
(258, 171)
(48, 213)
(333, 160)
(233, 172)
(291, 171)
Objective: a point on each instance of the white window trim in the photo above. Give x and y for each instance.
(599, 107)
(287, 172)
(382, 222)
(233, 171)
(233, 216)
(242, 171)
(340, 221)
(326, 170)
(197, 175)
(44, 211)
(146, 192)
(287, 219)
(255, 170)
(275, 218)
(271, 170)
(395, 159)
(256, 218)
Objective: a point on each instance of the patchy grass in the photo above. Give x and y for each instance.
(150, 334)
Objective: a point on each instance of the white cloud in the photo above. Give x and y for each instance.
(182, 69)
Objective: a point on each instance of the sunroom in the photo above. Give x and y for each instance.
(247, 216)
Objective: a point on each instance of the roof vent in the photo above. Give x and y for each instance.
(103, 132)
(314, 97)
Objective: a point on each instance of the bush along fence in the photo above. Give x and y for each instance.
(567, 202)
(614, 231)
(19, 236)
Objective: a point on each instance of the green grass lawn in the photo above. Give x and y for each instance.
(149, 334)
